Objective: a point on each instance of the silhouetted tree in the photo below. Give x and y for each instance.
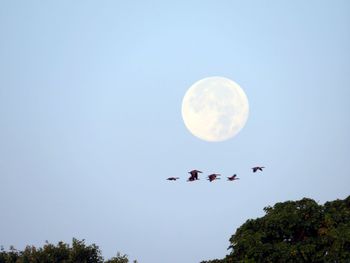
(9, 257)
(79, 252)
(119, 259)
(294, 231)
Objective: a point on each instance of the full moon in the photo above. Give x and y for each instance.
(215, 109)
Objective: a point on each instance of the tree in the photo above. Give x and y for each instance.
(10, 256)
(118, 259)
(85, 254)
(294, 231)
(79, 252)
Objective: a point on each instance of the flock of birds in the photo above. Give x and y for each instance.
(212, 177)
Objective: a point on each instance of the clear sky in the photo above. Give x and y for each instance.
(91, 125)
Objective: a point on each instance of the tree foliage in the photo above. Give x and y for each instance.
(78, 252)
(294, 231)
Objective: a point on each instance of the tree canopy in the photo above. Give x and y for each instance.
(78, 252)
(294, 231)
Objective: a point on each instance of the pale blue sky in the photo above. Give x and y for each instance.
(90, 119)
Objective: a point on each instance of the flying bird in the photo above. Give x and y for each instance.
(191, 179)
(194, 175)
(173, 178)
(260, 168)
(232, 178)
(213, 177)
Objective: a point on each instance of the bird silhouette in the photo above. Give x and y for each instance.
(173, 178)
(213, 177)
(194, 175)
(232, 178)
(256, 168)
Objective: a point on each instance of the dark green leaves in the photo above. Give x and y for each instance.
(294, 231)
(79, 252)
